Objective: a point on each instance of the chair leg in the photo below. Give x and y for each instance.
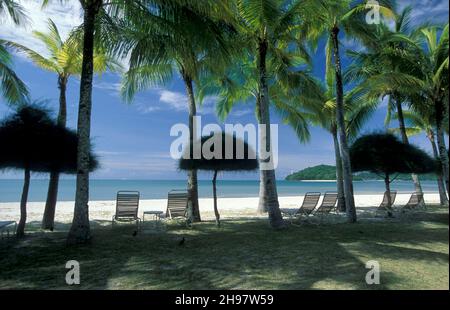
(138, 223)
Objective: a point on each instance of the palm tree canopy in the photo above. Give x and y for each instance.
(31, 139)
(184, 38)
(14, 10)
(12, 87)
(279, 25)
(357, 110)
(375, 153)
(248, 162)
(65, 56)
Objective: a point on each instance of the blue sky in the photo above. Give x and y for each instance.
(133, 140)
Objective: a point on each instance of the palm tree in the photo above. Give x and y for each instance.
(101, 22)
(329, 19)
(65, 57)
(12, 88)
(268, 35)
(357, 110)
(189, 44)
(434, 75)
(99, 17)
(389, 68)
(423, 122)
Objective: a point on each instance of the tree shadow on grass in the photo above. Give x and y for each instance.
(240, 255)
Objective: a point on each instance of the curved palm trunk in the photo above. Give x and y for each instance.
(216, 210)
(192, 174)
(440, 111)
(23, 204)
(268, 196)
(401, 121)
(440, 181)
(345, 152)
(48, 219)
(80, 229)
(339, 175)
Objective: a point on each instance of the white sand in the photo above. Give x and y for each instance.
(229, 207)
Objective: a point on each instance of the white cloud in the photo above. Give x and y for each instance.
(136, 164)
(65, 15)
(433, 11)
(108, 86)
(175, 100)
(240, 113)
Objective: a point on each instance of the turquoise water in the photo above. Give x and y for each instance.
(10, 190)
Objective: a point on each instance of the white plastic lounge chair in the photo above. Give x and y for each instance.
(127, 204)
(308, 205)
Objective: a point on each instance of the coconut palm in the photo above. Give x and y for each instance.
(188, 45)
(268, 36)
(99, 16)
(389, 68)
(65, 58)
(434, 75)
(357, 110)
(424, 123)
(220, 161)
(13, 89)
(329, 19)
(36, 143)
(101, 22)
(239, 84)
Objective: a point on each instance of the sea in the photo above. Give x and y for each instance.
(10, 190)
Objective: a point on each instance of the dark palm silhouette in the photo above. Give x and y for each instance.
(31, 140)
(247, 162)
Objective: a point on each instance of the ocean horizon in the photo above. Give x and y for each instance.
(106, 189)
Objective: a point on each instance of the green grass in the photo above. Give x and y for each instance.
(413, 253)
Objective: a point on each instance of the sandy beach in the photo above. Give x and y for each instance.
(229, 207)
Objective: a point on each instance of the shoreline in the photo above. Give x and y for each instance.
(228, 207)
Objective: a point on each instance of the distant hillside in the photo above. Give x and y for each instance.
(327, 172)
(321, 172)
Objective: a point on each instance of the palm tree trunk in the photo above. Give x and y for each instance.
(216, 210)
(443, 155)
(441, 111)
(401, 122)
(442, 193)
(48, 219)
(192, 174)
(345, 152)
(339, 173)
(23, 204)
(387, 183)
(80, 229)
(268, 196)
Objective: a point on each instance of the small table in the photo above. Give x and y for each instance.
(155, 214)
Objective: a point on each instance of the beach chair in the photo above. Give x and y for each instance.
(177, 205)
(383, 207)
(414, 201)
(5, 226)
(308, 205)
(127, 204)
(328, 203)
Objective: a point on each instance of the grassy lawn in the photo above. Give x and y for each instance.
(246, 254)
